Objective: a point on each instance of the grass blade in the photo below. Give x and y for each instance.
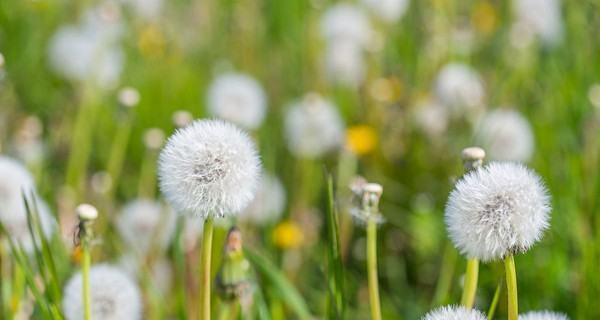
(335, 272)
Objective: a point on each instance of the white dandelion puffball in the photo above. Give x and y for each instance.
(543, 315)
(344, 63)
(346, 22)
(237, 98)
(14, 180)
(454, 313)
(18, 228)
(505, 135)
(432, 118)
(146, 224)
(269, 203)
(459, 88)
(313, 127)
(497, 210)
(114, 295)
(209, 169)
(387, 10)
(538, 18)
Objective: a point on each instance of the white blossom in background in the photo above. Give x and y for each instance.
(460, 88)
(454, 313)
(346, 22)
(432, 118)
(313, 127)
(209, 168)
(537, 18)
(16, 225)
(114, 295)
(237, 98)
(505, 135)
(500, 209)
(543, 315)
(146, 224)
(269, 203)
(344, 63)
(145, 9)
(389, 11)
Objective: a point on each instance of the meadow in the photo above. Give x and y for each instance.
(318, 147)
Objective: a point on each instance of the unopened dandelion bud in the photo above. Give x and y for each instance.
(86, 212)
(366, 201)
(472, 158)
(233, 278)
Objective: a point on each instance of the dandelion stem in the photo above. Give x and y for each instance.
(495, 300)
(372, 269)
(85, 266)
(205, 256)
(470, 286)
(511, 287)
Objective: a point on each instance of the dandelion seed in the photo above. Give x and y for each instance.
(460, 88)
(237, 98)
(454, 313)
(506, 135)
(114, 295)
(497, 210)
(313, 127)
(269, 203)
(209, 169)
(543, 315)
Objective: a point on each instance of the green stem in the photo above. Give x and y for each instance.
(446, 272)
(470, 286)
(85, 266)
(372, 270)
(511, 287)
(205, 255)
(494, 303)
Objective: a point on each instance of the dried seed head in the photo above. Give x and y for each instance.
(454, 313)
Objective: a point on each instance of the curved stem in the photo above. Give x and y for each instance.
(372, 270)
(511, 287)
(85, 266)
(494, 304)
(470, 286)
(205, 255)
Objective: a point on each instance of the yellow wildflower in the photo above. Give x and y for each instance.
(288, 235)
(361, 139)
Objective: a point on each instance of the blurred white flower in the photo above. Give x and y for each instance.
(344, 63)
(145, 9)
(17, 226)
(346, 22)
(537, 18)
(209, 168)
(154, 138)
(129, 97)
(460, 88)
(237, 98)
(543, 315)
(114, 295)
(313, 127)
(505, 135)
(454, 313)
(182, 118)
(389, 11)
(431, 117)
(269, 203)
(146, 224)
(500, 209)
(27, 144)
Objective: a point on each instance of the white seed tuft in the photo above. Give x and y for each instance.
(269, 203)
(454, 313)
(543, 315)
(86, 212)
(506, 135)
(209, 168)
(500, 209)
(460, 88)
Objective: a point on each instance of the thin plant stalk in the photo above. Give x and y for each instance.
(205, 279)
(470, 286)
(494, 304)
(85, 270)
(511, 287)
(446, 273)
(372, 269)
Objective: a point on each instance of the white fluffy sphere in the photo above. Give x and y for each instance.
(387, 10)
(432, 118)
(237, 98)
(538, 18)
(344, 63)
(460, 88)
(269, 203)
(505, 135)
(346, 22)
(209, 168)
(114, 295)
(497, 210)
(313, 127)
(146, 224)
(454, 313)
(543, 315)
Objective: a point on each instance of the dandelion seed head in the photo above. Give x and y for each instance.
(506, 135)
(537, 18)
(459, 88)
(237, 98)
(269, 203)
(129, 97)
(346, 22)
(543, 315)
(454, 313)
(114, 295)
(146, 224)
(387, 10)
(497, 210)
(313, 127)
(432, 118)
(17, 225)
(209, 168)
(14, 180)
(344, 63)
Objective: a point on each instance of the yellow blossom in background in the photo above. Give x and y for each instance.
(151, 42)
(361, 139)
(288, 235)
(76, 255)
(484, 17)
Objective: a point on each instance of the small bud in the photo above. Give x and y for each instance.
(472, 157)
(86, 212)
